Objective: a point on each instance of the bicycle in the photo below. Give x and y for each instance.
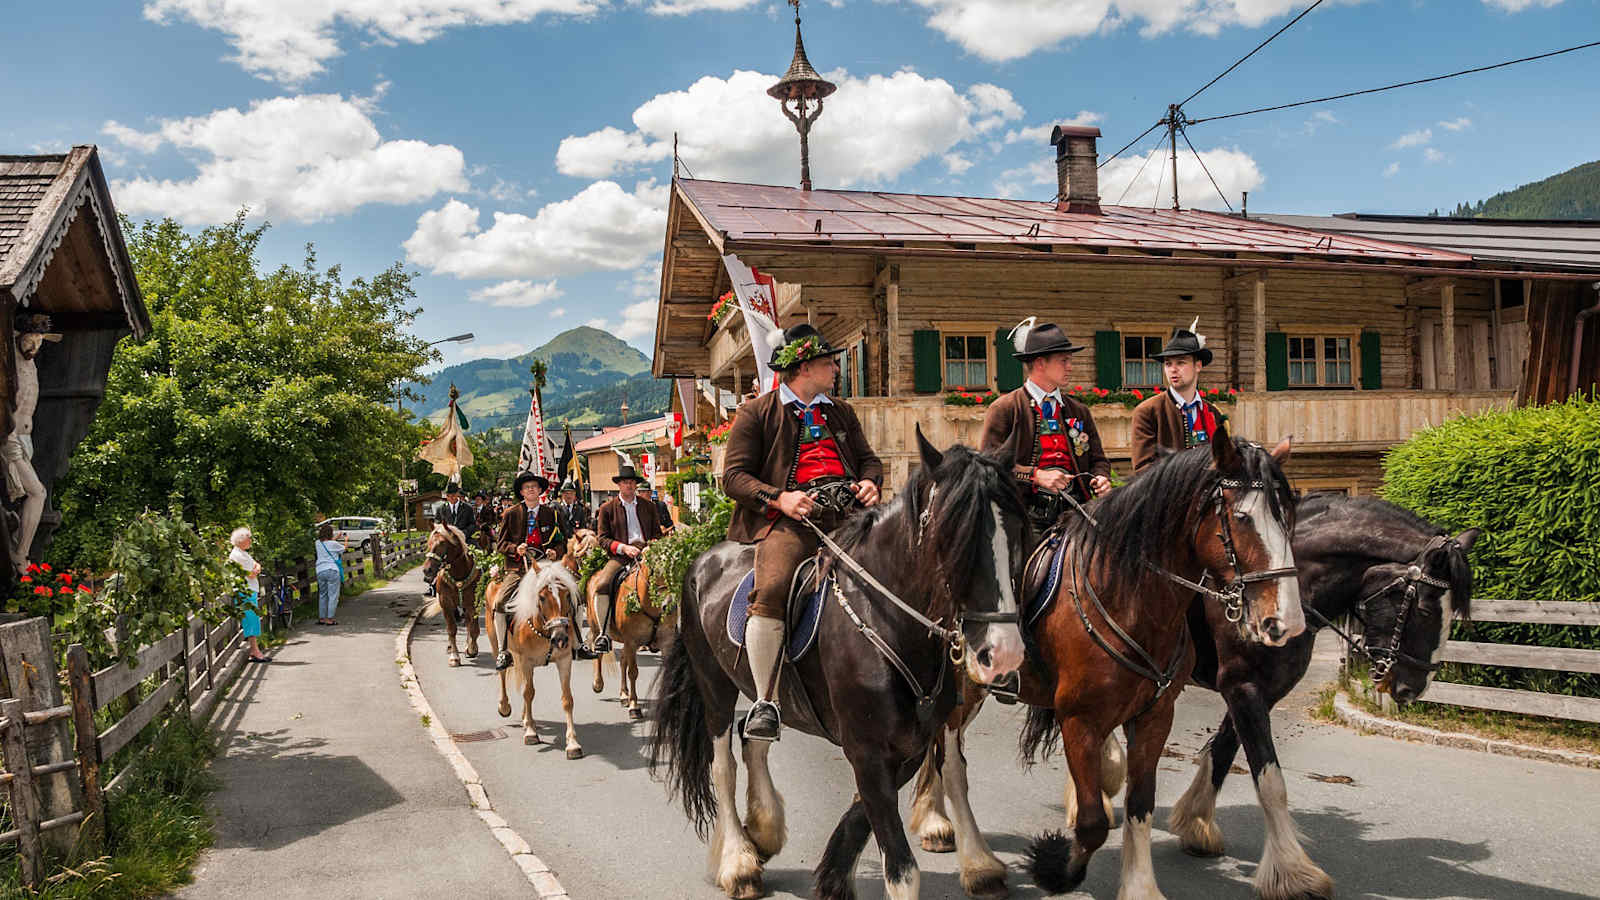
(279, 601)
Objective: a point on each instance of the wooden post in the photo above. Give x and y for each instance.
(1261, 331)
(1447, 313)
(24, 803)
(31, 669)
(892, 304)
(80, 680)
(377, 557)
(211, 657)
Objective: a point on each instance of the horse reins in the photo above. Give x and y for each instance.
(446, 565)
(1383, 659)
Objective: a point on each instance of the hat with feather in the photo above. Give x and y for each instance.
(1033, 340)
(1187, 342)
(797, 344)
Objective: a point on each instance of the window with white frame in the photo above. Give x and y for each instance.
(966, 361)
(1320, 360)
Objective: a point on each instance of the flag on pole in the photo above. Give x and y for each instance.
(448, 451)
(758, 303)
(535, 455)
(564, 461)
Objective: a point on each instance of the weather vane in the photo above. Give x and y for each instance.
(805, 89)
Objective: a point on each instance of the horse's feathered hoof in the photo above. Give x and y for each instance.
(939, 841)
(1049, 861)
(504, 709)
(453, 662)
(985, 883)
(530, 739)
(574, 753)
(635, 713)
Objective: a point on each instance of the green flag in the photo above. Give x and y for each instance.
(461, 419)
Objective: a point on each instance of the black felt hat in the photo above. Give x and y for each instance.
(1033, 340)
(525, 477)
(624, 474)
(808, 344)
(1185, 342)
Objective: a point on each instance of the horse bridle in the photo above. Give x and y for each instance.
(1232, 596)
(446, 567)
(1384, 658)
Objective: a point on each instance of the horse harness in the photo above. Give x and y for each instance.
(1384, 658)
(446, 570)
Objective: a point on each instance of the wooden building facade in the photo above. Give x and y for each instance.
(1347, 342)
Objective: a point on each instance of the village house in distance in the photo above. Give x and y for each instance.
(1349, 342)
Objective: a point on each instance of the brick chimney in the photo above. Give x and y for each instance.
(1077, 168)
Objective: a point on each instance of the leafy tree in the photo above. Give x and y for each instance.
(259, 398)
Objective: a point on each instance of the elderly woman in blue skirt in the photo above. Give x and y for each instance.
(249, 601)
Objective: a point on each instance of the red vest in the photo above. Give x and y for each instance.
(1055, 450)
(818, 454)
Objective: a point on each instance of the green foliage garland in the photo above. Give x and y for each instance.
(1530, 478)
(670, 557)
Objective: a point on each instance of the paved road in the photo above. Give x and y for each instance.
(1418, 822)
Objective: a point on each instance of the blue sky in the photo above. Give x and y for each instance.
(515, 152)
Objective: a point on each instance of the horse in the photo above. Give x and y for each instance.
(583, 540)
(449, 566)
(879, 682)
(1404, 577)
(647, 626)
(541, 632)
(1133, 558)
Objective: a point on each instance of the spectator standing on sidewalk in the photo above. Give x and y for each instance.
(249, 601)
(330, 574)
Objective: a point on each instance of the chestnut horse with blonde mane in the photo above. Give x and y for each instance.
(644, 626)
(541, 632)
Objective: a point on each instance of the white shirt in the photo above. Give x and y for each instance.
(788, 397)
(635, 532)
(239, 557)
(1190, 407)
(1038, 393)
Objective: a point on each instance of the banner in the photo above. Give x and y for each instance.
(535, 455)
(564, 463)
(448, 451)
(758, 302)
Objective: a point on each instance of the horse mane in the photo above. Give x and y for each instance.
(451, 532)
(553, 577)
(1369, 524)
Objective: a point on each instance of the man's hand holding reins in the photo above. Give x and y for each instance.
(1052, 479)
(795, 504)
(629, 550)
(1101, 485)
(866, 492)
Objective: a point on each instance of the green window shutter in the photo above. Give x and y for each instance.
(1108, 360)
(925, 375)
(1371, 362)
(1007, 368)
(1277, 350)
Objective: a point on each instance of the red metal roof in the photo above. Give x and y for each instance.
(613, 436)
(758, 212)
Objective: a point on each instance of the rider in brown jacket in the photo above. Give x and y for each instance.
(627, 523)
(1177, 418)
(793, 454)
(528, 531)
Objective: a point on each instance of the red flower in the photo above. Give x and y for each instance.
(1233, 390)
(64, 591)
(65, 577)
(84, 589)
(1138, 394)
(33, 567)
(41, 589)
(44, 567)
(26, 579)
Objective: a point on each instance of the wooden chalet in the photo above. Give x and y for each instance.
(62, 255)
(1321, 333)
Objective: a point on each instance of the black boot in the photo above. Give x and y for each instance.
(762, 722)
(502, 661)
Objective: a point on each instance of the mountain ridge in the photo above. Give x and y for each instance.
(1566, 196)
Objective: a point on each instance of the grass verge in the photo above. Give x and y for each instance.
(158, 826)
(1535, 731)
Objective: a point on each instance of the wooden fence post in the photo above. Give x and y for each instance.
(80, 679)
(30, 667)
(377, 556)
(24, 803)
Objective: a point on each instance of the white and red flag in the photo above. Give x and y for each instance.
(758, 301)
(535, 456)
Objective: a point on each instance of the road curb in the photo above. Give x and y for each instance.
(1366, 722)
(538, 873)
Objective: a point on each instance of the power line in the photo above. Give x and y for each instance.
(1390, 87)
(1202, 162)
(1147, 157)
(1136, 140)
(1252, 52)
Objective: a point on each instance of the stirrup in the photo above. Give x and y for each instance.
(762, 722)
(581, 650)
(601, 644)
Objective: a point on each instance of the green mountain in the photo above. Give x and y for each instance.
(588, 372)
(1573, 194)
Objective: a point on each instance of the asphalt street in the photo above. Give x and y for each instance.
(1405, 820)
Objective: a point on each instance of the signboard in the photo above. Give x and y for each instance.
(691, 495)
(408, 486)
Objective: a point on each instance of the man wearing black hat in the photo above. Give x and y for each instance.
(1057, 445)
(627, 523)
(529, 531)
(577, 514)
(1177, 418)
(486, 519)
(793, 454)
(458, 512)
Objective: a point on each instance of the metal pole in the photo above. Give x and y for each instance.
(1172, 136)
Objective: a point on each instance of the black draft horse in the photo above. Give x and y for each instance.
(1403, 577)
(951, 546)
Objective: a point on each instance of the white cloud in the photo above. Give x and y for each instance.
(557, 312)
(1123, 183)
(956, 164)
(1520, 5)
(597, 323)
(685, 7)
(1430, 155)
(1391, 170)
(999, 30)
(875, 128)
(602, 227)
(290, 40)
(518, 293)
(306, 158)
(1040, 134)
(646, 282)
(502, 350)
(638, 320)
(1318, 119)
(1418, 138)
(1460, 124)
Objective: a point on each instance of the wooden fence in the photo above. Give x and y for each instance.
(1557, 659)
(53, 749)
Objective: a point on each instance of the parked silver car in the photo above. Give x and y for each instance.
(356, 531)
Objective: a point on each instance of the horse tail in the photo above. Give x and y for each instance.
(680, 742)
(1039, 737)
(1049, 859)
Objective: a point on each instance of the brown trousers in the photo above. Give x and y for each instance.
(786, 545)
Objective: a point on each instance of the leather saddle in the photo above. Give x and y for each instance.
(806, 598)
(1041, 575)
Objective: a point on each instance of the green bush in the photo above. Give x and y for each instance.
(1530, 478)
(670, 557)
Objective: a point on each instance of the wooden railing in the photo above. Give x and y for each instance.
(1557, 659)
(1351, 420)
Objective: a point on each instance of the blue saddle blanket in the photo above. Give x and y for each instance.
(805, 614)
(1055, 551)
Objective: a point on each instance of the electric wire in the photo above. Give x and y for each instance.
(1390, 87)
(1147, 157)
(1203, 168)
(1252, 52)
(1160, 177)
(1136, 140)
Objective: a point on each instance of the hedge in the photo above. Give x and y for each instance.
(1530, 478)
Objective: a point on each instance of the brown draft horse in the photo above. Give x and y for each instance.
(541, 633)
(1227, 512)
(450, 567)
(646, 627)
